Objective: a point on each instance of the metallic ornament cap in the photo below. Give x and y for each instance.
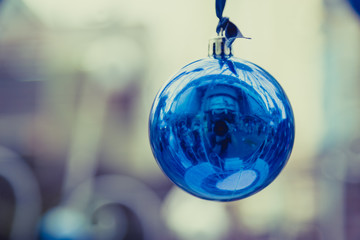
(218, 48)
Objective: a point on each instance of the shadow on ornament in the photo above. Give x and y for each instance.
(222, 128)
(26, 192)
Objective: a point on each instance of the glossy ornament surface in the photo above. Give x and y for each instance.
(222, 128)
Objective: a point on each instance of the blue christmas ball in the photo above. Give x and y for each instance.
(221, 128)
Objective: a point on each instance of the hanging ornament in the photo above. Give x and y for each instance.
(222, 128)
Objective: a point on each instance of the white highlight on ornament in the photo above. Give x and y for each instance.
(238, 180)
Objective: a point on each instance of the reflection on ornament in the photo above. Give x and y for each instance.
(222, 128)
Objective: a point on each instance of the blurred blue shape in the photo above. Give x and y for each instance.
(63, 223)
(222, 129)
(355, 5)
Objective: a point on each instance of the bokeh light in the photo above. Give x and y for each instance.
(205, 220)
(77, 80)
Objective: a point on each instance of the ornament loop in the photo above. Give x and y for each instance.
(225, 25)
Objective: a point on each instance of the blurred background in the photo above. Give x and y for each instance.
(77, 80)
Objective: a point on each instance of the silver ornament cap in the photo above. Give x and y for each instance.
(218, 48)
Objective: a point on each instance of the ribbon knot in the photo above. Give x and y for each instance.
(226, 26)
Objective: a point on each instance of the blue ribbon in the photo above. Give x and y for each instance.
(225, 26)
